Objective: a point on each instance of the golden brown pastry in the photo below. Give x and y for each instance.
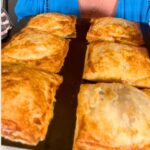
(37, 49)
(112, 116)
(28, 97)
(136, 68)
(147, 91)
(115, 30)
(107, 61)
(54, 23)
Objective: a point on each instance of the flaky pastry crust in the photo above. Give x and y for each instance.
(54, 23)
(36, 49)
(112, 116)
(28, 97)
(109, 62)
(115, 30)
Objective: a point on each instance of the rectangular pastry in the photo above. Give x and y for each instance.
(36, 48)
(115, 30)
(107, 61)
(112, 116)
(54, 23)
(28, 97)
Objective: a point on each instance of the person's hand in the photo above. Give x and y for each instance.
(6, 24)
(97, 8)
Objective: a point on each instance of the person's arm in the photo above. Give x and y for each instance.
(134, 10)
(97, 8)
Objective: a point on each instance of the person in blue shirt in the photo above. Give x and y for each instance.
(133, 10)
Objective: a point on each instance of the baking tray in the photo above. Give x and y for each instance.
(61, 129)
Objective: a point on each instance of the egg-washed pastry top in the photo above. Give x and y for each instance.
(110, 62)
(54, 23)
(112, 116)
(115, 30)
(36, 48)
(28, 97)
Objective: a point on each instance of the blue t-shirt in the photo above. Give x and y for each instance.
(134, 10)
(33, 7)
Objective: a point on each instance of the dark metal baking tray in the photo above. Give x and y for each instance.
(61, 129)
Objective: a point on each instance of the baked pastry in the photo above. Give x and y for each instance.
(109, 62)
(28, 97)
(54, 23)
(37, 49)
(136, 69)
(115, 30)
(147, 91)
(112, 116)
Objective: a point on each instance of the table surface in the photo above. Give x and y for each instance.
(61, 130)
